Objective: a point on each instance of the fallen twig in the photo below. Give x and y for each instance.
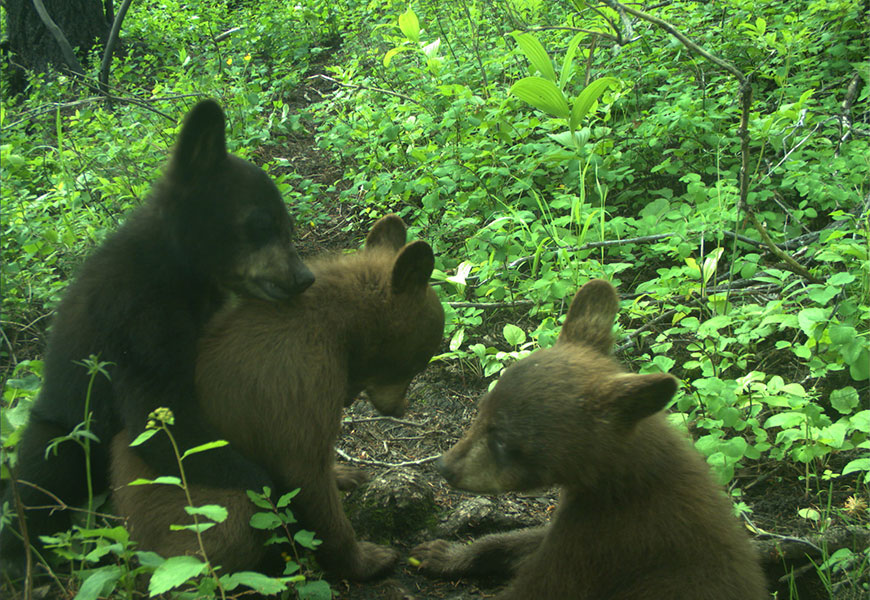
(380, 463)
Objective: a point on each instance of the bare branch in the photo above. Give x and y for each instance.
(69, 56)
(380, 463)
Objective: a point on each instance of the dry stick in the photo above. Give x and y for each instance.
(350, 421)
(69, 56)
(25, 538)
(724, 64)
(380, 463)
(371, 89)
(110, 46)
(790, 263)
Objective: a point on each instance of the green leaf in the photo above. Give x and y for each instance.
(100, 582)
(306, 539)
(314, 590)
(841, 279)
(200, 527)
(265, 521)
(173, 572)
(568, 61)
(589, 96)
(844, 399)
(785, 420)
(860, 368)
(534, 51)
(543, 95)
(514, 335)
(859, 464)
(410, 25)
(164, 480)
(215, 512)
(204, 447)
(810, 318)
(285, 499)
(144, 437)
(256, 581)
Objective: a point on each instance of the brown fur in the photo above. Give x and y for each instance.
(273, 378)
(640, 517)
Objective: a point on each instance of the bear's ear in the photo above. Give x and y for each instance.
(202, 143)
(590, 317)
(634, 397)
(388, 232)
(413, 267)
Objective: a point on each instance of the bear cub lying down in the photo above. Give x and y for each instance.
(640, 517)
(272, 379)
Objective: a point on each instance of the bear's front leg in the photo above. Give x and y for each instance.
(319, 508)
(495, 554)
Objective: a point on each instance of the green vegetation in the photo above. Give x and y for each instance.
(535, 146)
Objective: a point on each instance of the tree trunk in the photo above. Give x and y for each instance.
(33, 47)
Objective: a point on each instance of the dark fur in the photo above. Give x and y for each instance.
(214, 224)
(640, 517)
(273, 378)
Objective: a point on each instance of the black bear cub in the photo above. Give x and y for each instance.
(640, 517)
(213, 225)
(273, 379)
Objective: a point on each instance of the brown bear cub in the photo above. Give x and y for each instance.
(640, 517)
(273, 378)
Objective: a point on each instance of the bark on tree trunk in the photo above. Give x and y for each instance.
(32, 46)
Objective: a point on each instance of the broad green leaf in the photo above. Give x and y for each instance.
(204, 448)
(215, 512)
(734, 448)
(543, 95)
(589, 96)
(174, 572)
(844, 399)
(809, 319)
(859, 464)
(810, 513)
(785, 420)
(841, 279)
(149, 559)
(514, 335)
(568, 61)
(314, 590)
(265, 521)
(861, 421)
(534, 51)
(306, 539)
(410, 25)
(100, 582)
(257, 582)
(860, 368)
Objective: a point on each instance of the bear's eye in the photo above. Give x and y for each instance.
(500, 450)
(259, 227)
